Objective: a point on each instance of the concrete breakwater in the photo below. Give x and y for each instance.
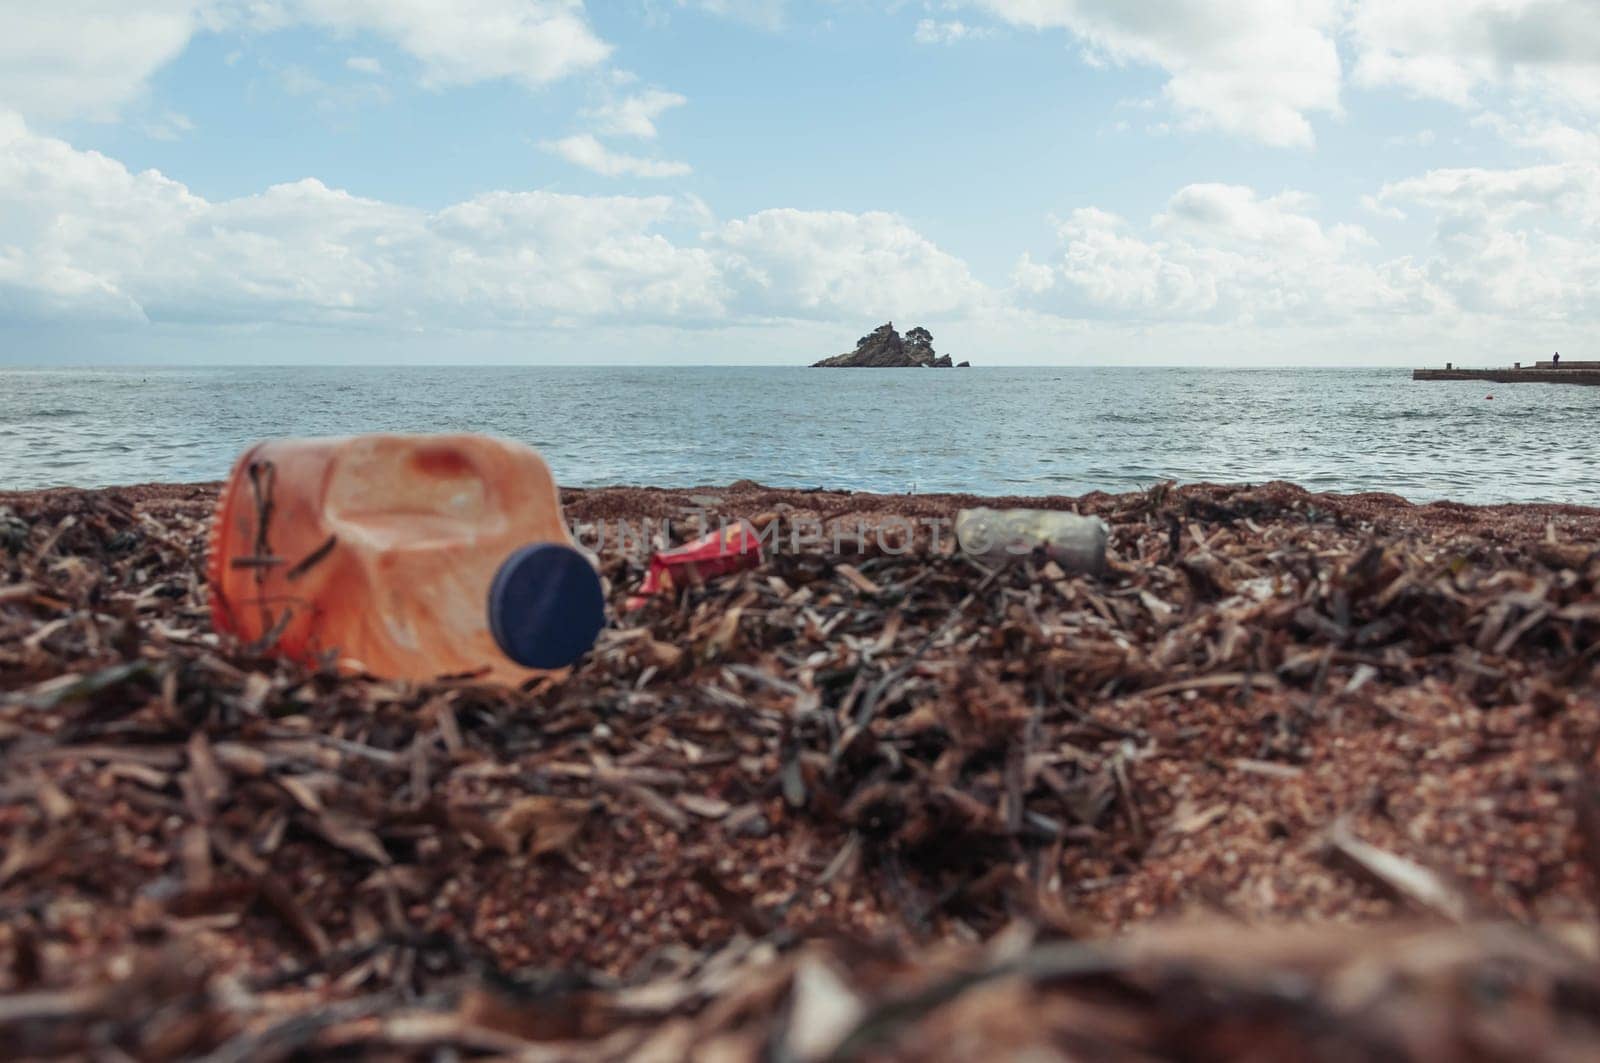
(1539, 373)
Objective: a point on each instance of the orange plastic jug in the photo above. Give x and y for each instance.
(402, 555)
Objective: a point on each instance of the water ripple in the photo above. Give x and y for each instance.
(1035, 431)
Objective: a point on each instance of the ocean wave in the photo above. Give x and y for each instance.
(43, 413)
(51, 413)
(1012, 430)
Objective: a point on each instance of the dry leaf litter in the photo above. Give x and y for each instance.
(1300, 775)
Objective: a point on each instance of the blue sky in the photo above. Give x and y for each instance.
(1038, 181)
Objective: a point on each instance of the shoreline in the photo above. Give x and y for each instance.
(1328, 730)
(614, 500)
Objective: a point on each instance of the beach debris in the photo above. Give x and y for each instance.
(1406, 878)
(13, 530)
(919, 807)
(1075, 543)
(734, 547)
(381, 550)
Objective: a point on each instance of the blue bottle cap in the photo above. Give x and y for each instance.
(546, 606)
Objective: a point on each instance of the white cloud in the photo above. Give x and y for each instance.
(82, 238)
(1220, 269)
(1219, 253)
(1530, 68)
(1422, 138)
(330, 96)
(170, 125)
(1450, 49)
(1372, 205)
(298, 81)
(1521, 244)
(1235, 215)
(1510, 249)
(582, 149)
(831, 263)
(1263, 68)
(933, 31)
(1545, 135)
(635, 115)
(1254, 68)
(364, 64)
(1566, 191)
(468, 41)
(88, 57)
(72, 58)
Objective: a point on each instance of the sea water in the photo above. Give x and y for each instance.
(1029, 431)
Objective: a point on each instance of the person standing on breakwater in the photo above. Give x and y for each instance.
(1555, 360)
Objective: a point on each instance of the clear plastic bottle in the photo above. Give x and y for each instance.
(1077, 544)
(402, 555)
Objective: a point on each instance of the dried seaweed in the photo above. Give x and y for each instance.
(813, 810)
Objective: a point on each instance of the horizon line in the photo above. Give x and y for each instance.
(705, 365)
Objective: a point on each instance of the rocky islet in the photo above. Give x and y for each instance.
(885, 348)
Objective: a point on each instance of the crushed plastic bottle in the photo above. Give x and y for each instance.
(405, 556)
(1077, 544)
